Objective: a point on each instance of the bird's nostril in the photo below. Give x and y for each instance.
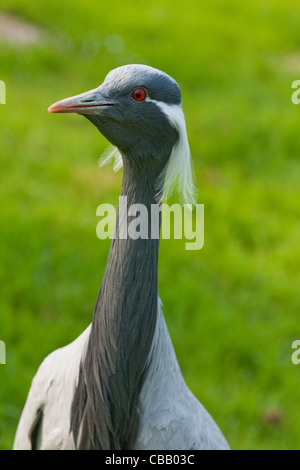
(87, 101)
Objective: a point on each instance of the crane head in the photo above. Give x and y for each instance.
(138, 109)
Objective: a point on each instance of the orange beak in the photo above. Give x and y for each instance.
(85, 103)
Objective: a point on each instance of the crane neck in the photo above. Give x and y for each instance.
(123, 324)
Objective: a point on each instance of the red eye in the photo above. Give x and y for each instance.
(139, 94)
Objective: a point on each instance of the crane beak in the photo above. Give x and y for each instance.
(86, 103)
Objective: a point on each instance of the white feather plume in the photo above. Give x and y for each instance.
(111, 156)
(179, 174)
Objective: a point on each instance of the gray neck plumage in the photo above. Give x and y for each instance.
(104, 412)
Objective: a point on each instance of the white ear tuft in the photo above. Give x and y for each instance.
(179, 173)
(111, 155)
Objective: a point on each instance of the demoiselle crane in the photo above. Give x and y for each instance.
(119, 385)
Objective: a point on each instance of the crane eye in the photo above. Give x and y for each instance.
(139, 94)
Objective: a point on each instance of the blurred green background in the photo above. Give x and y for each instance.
(232, 308)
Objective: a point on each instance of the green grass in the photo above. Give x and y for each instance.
(233, 307)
